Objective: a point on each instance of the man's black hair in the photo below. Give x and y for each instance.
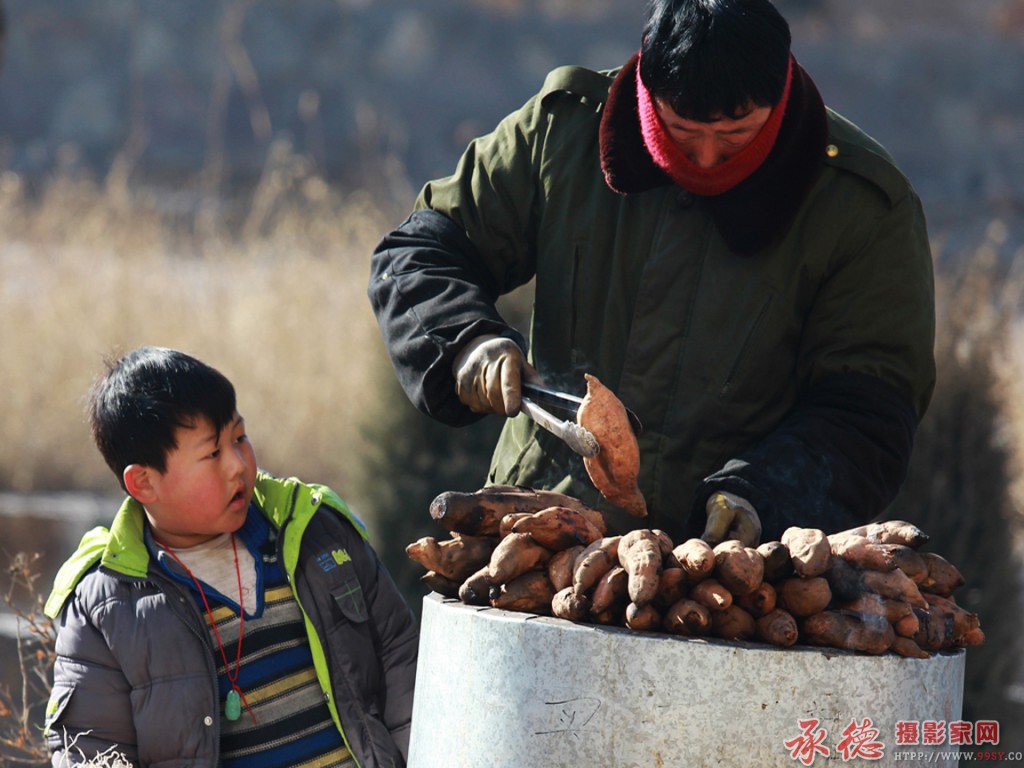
(709, 59)
(145, 396)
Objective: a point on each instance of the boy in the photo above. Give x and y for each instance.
(227, 617)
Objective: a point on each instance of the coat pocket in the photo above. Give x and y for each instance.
(60, 696)
(348, 597)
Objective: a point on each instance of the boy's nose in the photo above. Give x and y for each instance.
(238, 463)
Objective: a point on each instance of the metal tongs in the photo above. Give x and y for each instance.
(581, 441)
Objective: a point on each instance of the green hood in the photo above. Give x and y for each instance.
(122, 548)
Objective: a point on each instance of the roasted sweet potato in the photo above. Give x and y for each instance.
(894, 584)
(557, 528)
(711, 594)
(611, 593)
(560, 567)
(892, 532)
(479, 513)
(733, 623)
(509, 521)
(863, 553)
(740, 569)
(876, 605)
(935, 630)
(906, 647)
(454, 558)
(943, 577)
(910, 561)
(844, 580)
(695, 557)
(975, 637)
(777, 627)
(476, 589)
(860, 552)
(640, 554)
(908, 626)
(645, 618)
(672, 587)
(687, 617)
(440, 584)
(616, 467)
(777, 563)
(963, 620)
(869, 634)
(516, 554)
(608, 618)
(760, 602)
(530, 592)
(665, 543)
(594, 562)
(567, 604)
(804, 597)
(808, 549)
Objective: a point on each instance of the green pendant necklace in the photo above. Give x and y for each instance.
(235, 698)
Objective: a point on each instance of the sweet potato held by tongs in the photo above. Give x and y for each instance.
(615, 468)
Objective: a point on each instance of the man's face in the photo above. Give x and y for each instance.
(207, 485)
(707, 145)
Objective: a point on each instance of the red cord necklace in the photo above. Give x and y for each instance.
(235, 698)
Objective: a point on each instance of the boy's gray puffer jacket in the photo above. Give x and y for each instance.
(134, 668)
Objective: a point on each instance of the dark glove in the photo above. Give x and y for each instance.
(730, 517)
(488, 374)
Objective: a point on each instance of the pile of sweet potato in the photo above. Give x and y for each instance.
(867, 589)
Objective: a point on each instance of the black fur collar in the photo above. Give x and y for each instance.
(759, 210)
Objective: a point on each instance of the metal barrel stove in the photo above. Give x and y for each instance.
(497, 688)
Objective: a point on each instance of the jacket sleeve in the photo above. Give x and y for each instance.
(89, 711)
(432, 295)
(835, 462)
(841, 454)
(436, 279)
(369, 635)
(399, 647)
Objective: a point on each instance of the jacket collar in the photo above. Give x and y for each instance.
(757, 212)
(123, 549)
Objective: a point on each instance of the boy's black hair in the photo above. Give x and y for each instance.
(145, 396)
(709, 59)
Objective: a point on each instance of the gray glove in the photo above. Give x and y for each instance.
(730, 517)
(488, 374)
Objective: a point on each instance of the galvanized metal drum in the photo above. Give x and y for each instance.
(497, 688)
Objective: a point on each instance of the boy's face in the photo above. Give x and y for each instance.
(206, 487)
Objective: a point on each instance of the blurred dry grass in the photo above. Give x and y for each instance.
(271, 292)
(964, 485)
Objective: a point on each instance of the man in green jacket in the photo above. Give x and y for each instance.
(746, 269)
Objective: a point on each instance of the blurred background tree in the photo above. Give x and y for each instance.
(965, 471)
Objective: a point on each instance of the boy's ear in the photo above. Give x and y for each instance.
(138, 480)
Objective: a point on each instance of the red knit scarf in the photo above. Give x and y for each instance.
(706, 181)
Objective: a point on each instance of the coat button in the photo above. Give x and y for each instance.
(207, 721)
(684, 199)
(832, 150)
